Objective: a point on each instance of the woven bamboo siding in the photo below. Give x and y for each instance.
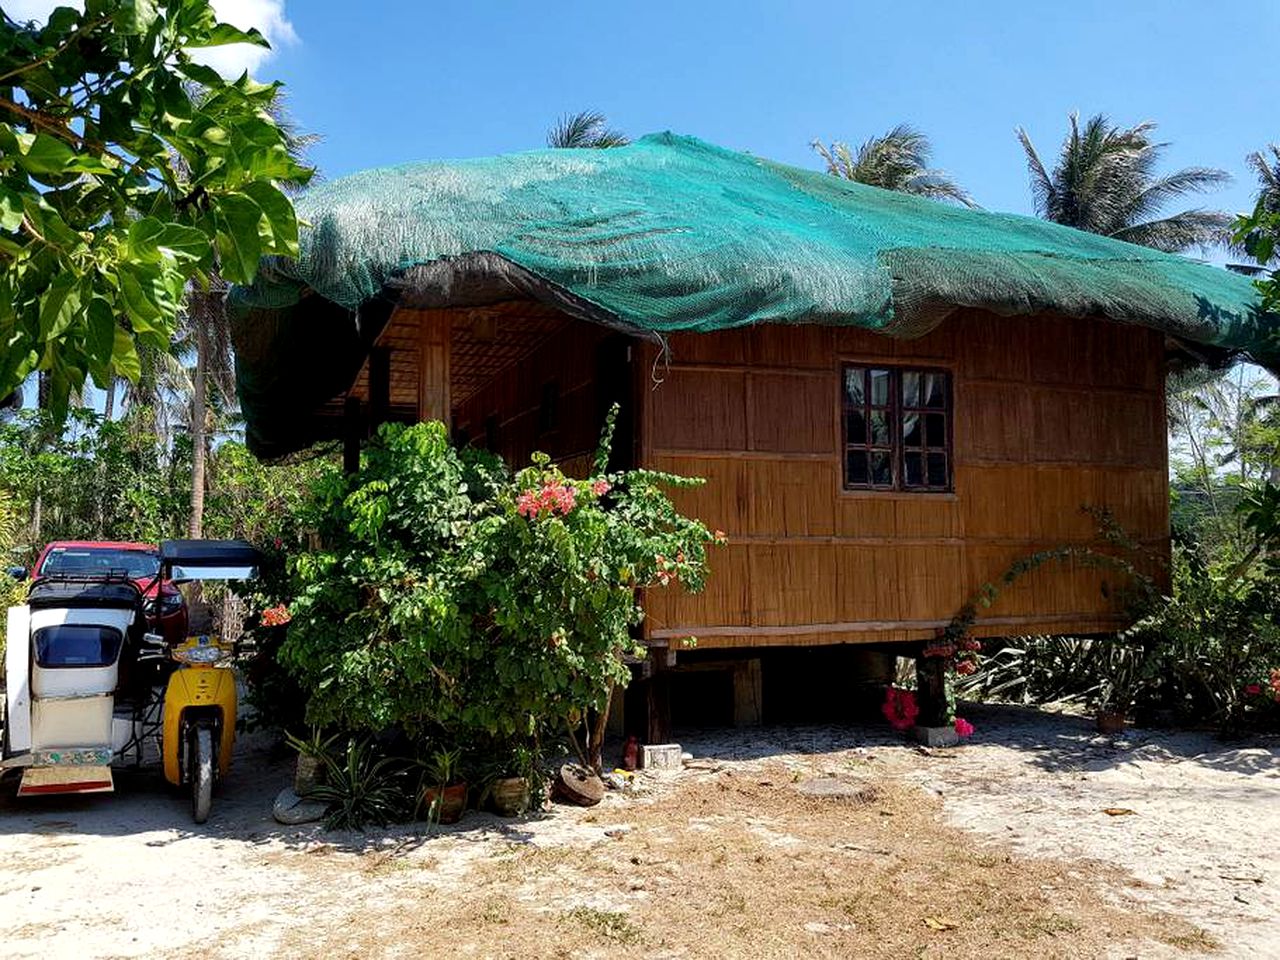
(1048, 416)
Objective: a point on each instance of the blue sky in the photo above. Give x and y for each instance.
(393, 80)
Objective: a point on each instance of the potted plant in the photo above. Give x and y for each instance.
(310, 769)
(444, 797)
(508, 783)
(1121, 670)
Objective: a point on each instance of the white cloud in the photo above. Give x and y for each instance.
(267, 16)
(39, 10)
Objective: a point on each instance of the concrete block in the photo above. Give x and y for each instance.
(937, 736)
(661, 756)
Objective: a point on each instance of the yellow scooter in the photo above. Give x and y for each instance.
(198, 730)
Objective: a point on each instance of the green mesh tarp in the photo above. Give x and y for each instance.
(671, 233)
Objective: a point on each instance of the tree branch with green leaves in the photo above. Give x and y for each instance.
(118, 187)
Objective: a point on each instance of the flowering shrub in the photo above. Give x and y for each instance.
(962, 654)
(1269, 690)
(276, 616)
(452, 598)
(900, 708)
(964, 729)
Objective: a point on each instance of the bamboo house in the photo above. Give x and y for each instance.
(891, 399)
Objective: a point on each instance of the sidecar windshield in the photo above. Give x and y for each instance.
(77, 645)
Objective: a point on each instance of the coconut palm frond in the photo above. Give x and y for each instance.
(1105, 181)
(1267, 170)
(898, 160)
(1189, 229)
(1043, 191)
(588, 129)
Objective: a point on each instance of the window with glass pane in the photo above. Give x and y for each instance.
(897, 430)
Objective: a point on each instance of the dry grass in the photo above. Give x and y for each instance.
(731, 865)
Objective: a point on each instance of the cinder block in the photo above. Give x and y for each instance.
(937, 736)
(661, 756)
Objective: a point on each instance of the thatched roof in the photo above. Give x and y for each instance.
(671, 233)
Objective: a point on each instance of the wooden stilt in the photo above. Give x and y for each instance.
(657, 688)
(379, 386)
(931, 691)
(352, 431)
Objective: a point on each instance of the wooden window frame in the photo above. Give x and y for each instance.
(896, 448)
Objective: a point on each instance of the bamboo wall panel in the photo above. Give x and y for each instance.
(807, 423)
(706, 412)
(1049, 416)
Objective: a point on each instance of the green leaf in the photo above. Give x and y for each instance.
(102, 334)
(150, 239)
(59, 306)
(238, 239)
(199, 73)
(124, 356)
(135, 17)
(224, 33)
(279, 227)
(10, 209)
(46, 154)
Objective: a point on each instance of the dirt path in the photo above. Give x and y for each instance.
(726, 858)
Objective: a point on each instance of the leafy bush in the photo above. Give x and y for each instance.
(1206, 653)
(449, 596)
(1216, 636)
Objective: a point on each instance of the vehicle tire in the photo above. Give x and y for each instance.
(200, 754)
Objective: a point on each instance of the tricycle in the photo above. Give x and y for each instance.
(88, 687)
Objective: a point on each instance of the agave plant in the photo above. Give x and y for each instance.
(359, 785)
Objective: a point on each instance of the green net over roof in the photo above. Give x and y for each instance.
(672, 233)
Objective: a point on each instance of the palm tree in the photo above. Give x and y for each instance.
(589, 129)
(1105, 182)
(1266, 164)
(898, 160)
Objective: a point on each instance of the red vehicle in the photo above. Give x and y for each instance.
(163, 603)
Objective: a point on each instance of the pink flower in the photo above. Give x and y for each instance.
(1253, 689)
(600, 487)
(276, 616)
(527, 504)
(964, 729)
(900, 708)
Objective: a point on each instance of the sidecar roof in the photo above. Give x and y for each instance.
(83, 592)
(217, 553)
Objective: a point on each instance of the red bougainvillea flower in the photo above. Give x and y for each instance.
(276, 616)
(966, 667)
(900, 708)
(600, 487)
(964, 729)
(1253, 690)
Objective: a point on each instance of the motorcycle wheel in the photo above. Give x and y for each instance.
(200, 752)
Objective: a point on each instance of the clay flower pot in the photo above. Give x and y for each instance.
(509, 796)
(453, 801)
(1110, 721)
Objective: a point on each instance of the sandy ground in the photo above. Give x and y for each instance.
(130, 876)
(1204, 820)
